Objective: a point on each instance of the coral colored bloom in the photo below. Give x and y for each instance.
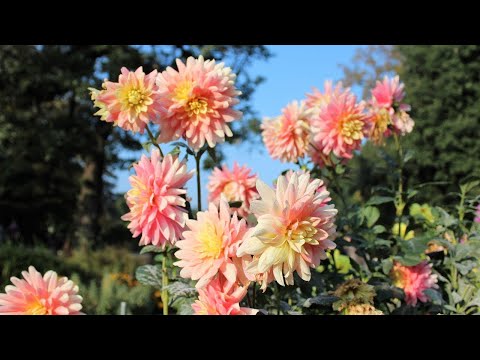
(199, 100)
(130, 103)
(287, 136)
(477, 214)
(387, 112)
(236, 185)
(414, 280)
(103, 111)
(37, 295)
(362, 309)
(210, 244)
(156, 204)
(318, 99)
(294, 229)
(214, 300)
(340, 126)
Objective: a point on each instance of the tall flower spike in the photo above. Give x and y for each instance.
(295, 227)
(37, 295)
(157, 208)
(132, 102)
(199, 100)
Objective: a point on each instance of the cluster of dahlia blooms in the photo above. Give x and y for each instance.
(194, 102)
(334, 122)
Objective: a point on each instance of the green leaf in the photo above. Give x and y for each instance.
(409, 259)
(387, 265)
(150, 248)
(180, 289)
(371, 215)
(175, 151)
(149, 275)
(321, 300)
(212, 153)
(408, 155)
(379, 229)
(342, 262)
(339, 169)
(434, 296)
(456, 297)
(377, 200)
(147, 145)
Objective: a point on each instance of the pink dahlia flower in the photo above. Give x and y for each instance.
(199, 100)
(236, 185)
(318, 99)
(37, 295)
(130, 103)
(214, 300)
(211, 244)
(156, 204)
(387, 110)
(295, 227)
(414, 280)
(287, 136)
(340, 126)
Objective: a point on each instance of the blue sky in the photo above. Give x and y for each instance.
(290, 73)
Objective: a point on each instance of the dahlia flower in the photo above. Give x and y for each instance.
(156, 204)
(37, 295)
(130, 103)
(294, 229)
(210, 244)
(318, 99)
(287, 136)
(237, 184)
(214, 300)
(414, 280)
(340, 126)
(199, 100)
(353, 292)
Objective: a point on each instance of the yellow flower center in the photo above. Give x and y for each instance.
(196, 106)
(303, 230)
(229, 191)
(182, 91)
(382, 120)
(135, 97)
(398, 278)
(211, 240)
(352, 130)
(36, 308)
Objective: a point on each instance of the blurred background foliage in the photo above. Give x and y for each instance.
(58, 209)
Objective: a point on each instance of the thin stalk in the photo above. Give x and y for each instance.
(153, 140)
(399, 204)
(199, 186)
(165, 283)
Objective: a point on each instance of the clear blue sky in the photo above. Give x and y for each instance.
(290, 74)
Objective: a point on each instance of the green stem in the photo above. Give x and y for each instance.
(399, 203)
(254, 297)
(165, 283)
(199, 186)
(277, 297)
(153, 140)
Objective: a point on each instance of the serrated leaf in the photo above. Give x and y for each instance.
(321, 300)
(150, 248)
(180, 289)
(149, 275)
(377, 200)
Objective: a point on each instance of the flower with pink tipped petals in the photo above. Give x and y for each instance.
(318, 99)
(214, 300)
(210, 244)
(477, 214)
(236, 185)
(37, 295)
(287, 136)
(414, 280)
(294, 229)
(199, 100)
(340, 126)
(157, 208)
(387, 112)
(130, 103)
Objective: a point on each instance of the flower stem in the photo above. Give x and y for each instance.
(254, 294)
(153, 140)
(399, 203)
(199, 186)
(165, 283)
